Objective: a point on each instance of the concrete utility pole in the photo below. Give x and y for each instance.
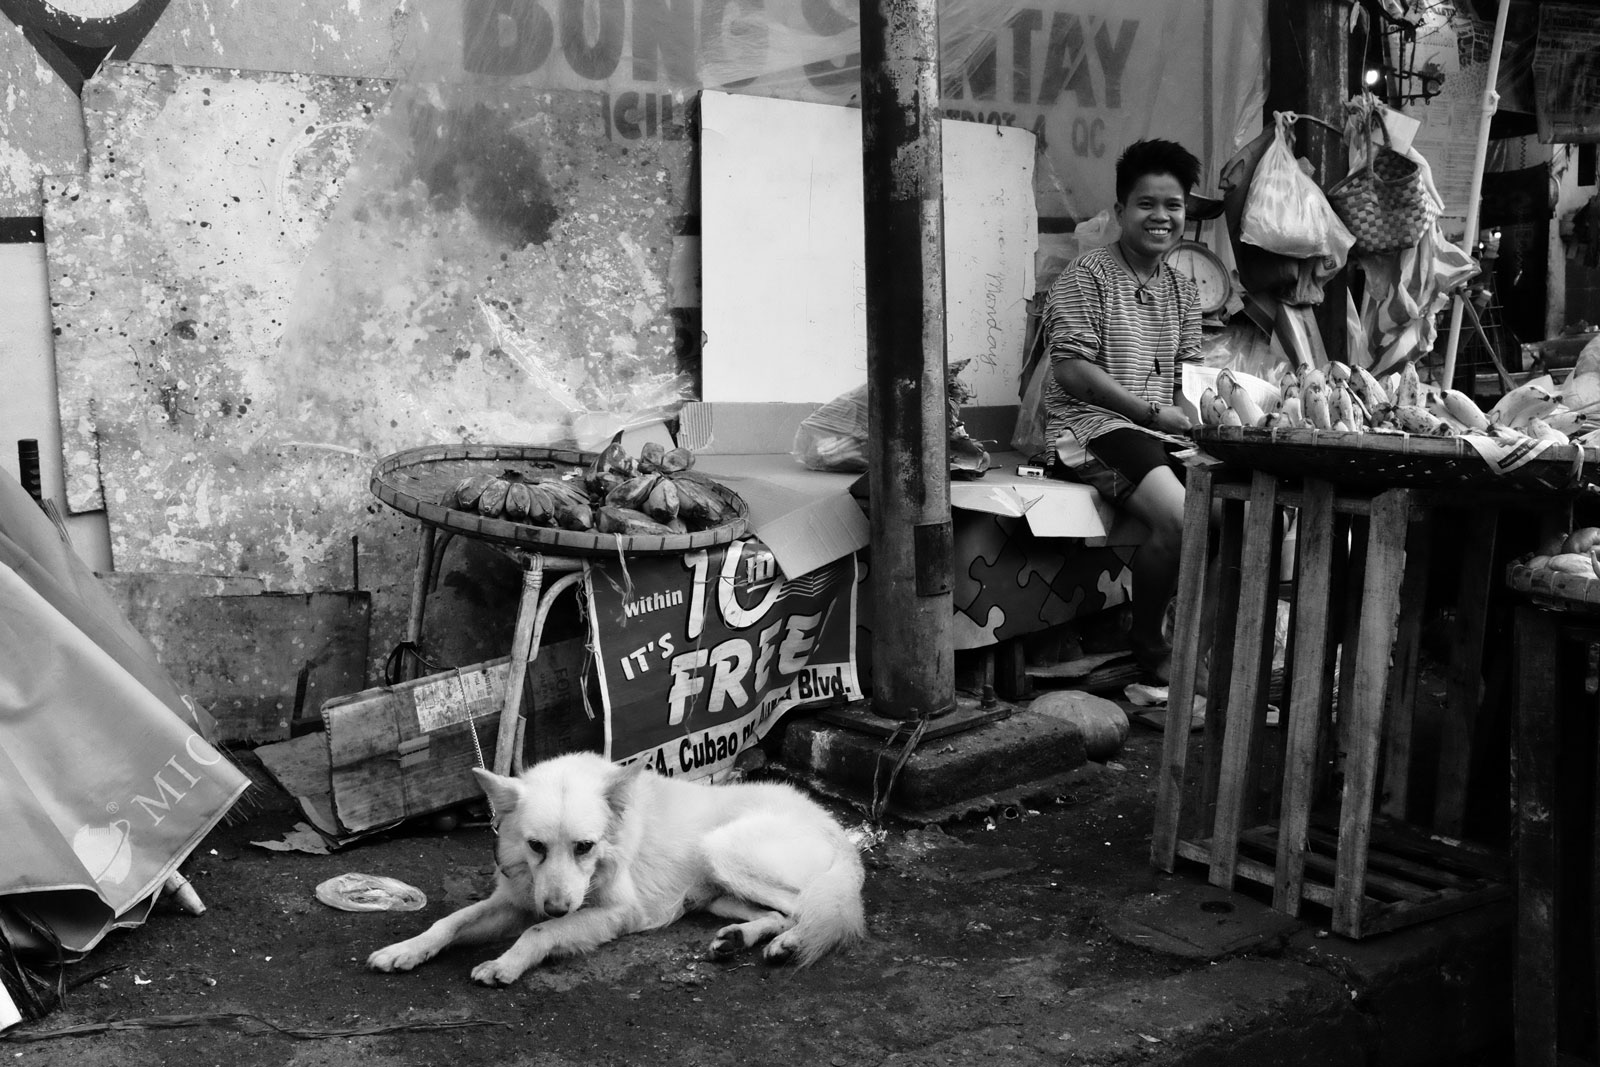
(913, 658)
(1309, 74)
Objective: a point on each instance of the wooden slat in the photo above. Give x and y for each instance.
(1327, 746)
(1379, 918)
(1352, 584)
(1230, 545)
(1425, 875)
(1412, 842)
(1257, 584)
(1287, 690)
(1380, 605)
(1403, 673)
(1292, 497)
(1325, 864)
(1537, 967)
(1187, 642)
(1464, 675)
(1314, 548)
(1258, 794)
(1594, 899)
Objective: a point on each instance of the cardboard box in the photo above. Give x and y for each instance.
(1053, 508)
(395, 752)
(807, 518)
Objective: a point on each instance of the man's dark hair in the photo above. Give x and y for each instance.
(1155, 156)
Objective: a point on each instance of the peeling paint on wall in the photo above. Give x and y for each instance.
(246, 323)
(353, 38)
(41, 124)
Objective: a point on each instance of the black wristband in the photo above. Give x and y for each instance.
(1150, 415)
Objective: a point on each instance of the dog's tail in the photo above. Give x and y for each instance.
(828, 913)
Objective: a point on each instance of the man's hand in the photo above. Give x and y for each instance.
(1171, 419)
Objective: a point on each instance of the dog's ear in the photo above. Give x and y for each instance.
(619, 791)
(503, 792)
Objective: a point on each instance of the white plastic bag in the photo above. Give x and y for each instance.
(1028, 437)
(1285, 211)
(834, 437)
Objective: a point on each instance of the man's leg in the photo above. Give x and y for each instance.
(1158, 503)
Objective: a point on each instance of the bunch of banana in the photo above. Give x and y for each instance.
(1339, 397)
(656, 493)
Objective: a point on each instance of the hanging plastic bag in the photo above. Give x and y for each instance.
(834, 437)
(1285, 211)
(1028, 437)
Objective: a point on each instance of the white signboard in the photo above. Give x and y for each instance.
(783, 262)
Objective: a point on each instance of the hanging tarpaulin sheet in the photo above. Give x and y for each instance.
(1086, 76)
(1566, 74)
(104, 789)
(700, 654)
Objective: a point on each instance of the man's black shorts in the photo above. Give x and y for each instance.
(1119, 460)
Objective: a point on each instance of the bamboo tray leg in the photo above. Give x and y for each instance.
(532, 609)
(420, 579)
(521, 649)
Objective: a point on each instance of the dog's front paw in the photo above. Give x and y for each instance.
(729, 941)
(497, 972)
(399, 957)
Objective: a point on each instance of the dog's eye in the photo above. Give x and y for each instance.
(582, 848)
(537, 848)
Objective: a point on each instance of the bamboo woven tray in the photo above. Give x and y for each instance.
(1389, 459)
(414, 482)
(1569, 592)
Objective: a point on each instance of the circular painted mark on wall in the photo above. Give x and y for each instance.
(75, 36)
(120, 23)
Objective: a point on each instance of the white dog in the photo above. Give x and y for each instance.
(597, 851)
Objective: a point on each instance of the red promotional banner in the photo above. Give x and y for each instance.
(699, 654)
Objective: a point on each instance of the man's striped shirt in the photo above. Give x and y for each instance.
(1092, 313)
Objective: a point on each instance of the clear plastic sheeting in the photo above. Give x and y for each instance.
(1086, 76)
(495, 269)
(506, 257)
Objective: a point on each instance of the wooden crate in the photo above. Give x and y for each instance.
(1344, 743)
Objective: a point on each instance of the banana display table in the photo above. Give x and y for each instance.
(1326, 809)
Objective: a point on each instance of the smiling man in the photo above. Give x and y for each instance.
(1117, 324)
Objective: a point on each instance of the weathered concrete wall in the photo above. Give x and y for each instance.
(234, 355)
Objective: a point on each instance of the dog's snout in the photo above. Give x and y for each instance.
(554, 910)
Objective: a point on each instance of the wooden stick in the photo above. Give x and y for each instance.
(1185, 657)
(1314, 549)
(1380, 607)
(1244, 693)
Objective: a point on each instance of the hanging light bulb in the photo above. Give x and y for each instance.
(1374, 75)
